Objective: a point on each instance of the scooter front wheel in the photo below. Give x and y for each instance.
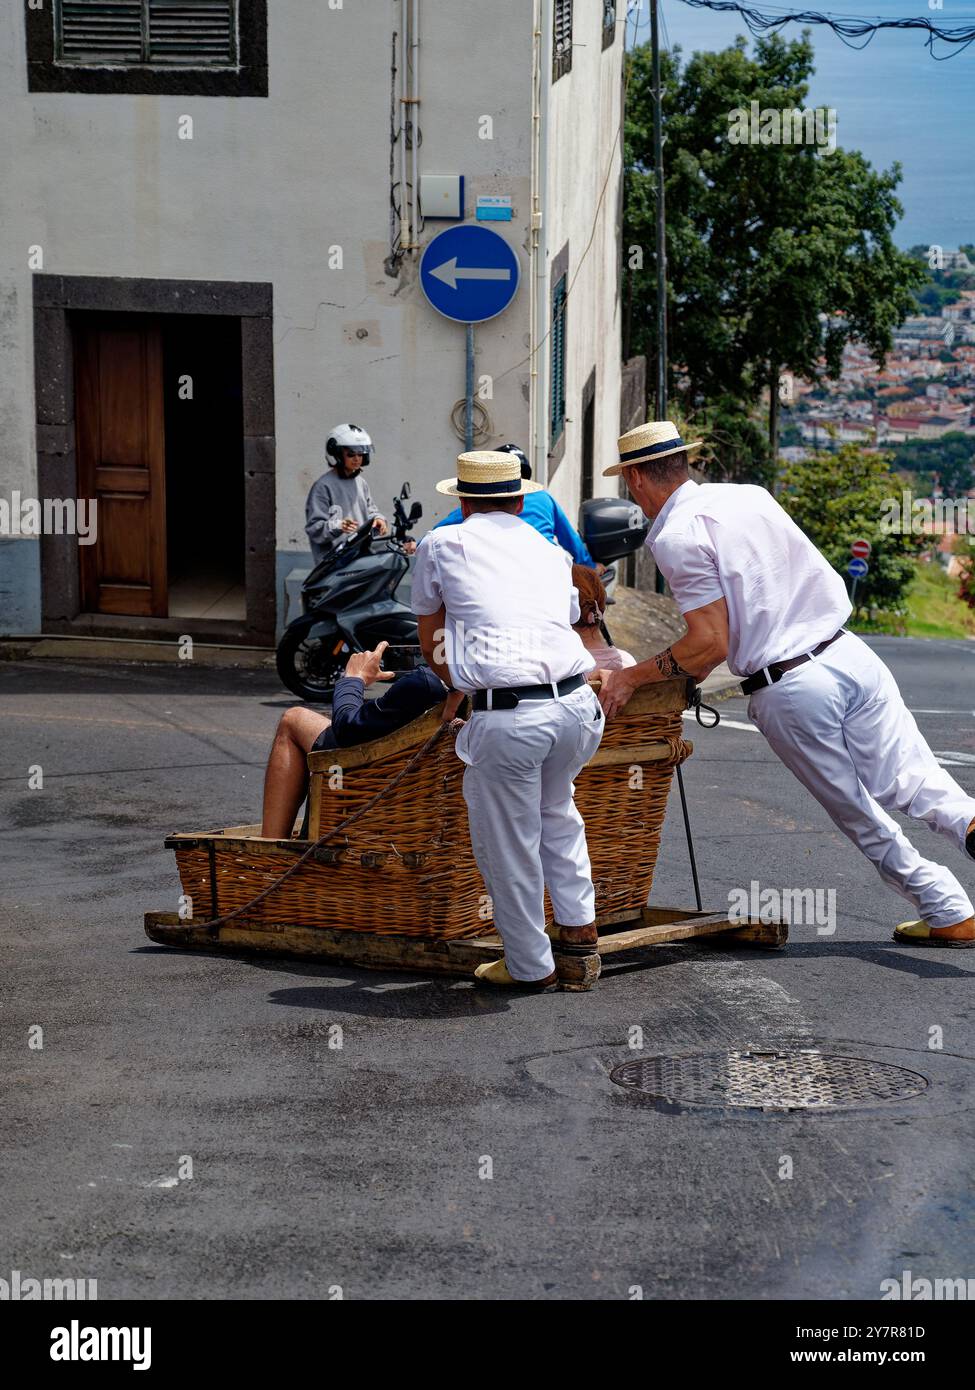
(310, 664)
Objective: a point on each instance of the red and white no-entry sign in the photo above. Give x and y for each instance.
(860, 549)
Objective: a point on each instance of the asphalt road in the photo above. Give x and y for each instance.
(361, 1169)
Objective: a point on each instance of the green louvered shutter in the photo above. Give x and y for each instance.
(99, 31)
(193, 33)
(561, 38)
(557, 411)
(160, 33)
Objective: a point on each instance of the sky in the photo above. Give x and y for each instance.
(893, 101)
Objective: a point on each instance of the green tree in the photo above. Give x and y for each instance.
(737, 448)
(841, 497)
(763, 240)
(933, 298)
(952, 458)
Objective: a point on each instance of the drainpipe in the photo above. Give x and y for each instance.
(415, 117)
(539, 308)
(404, 218)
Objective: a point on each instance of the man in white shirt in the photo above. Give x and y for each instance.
(495, 605)
(754, 590)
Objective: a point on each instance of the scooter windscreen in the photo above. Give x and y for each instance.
(343, 552)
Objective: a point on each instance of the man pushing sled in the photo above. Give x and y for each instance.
(756, 592)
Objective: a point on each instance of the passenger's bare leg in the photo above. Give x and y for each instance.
(286, 778)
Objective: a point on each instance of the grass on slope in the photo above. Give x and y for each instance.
(933, 608)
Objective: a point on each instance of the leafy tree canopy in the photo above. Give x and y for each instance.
(762, 239)
(837, 498)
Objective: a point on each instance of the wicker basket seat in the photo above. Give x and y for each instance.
(406, 867)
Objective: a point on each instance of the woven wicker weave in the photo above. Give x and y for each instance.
(406, 868)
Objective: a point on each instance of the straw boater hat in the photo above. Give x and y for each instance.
(485, 473)
(654, 440)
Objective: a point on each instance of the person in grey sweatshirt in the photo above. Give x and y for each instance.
(340, 501)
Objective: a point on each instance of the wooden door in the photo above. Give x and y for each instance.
(122, 463)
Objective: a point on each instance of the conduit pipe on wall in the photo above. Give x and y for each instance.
(539, 278)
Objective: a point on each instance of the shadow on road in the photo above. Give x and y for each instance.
(370, 994)
(927, 963)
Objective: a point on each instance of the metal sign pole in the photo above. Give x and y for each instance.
(658, 162)
(469, 387)
(690, 841)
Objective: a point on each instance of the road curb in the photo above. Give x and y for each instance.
(134, 651)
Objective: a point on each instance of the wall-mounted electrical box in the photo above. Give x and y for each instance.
(442, 195)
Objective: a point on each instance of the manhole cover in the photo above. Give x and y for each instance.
(802, 1080)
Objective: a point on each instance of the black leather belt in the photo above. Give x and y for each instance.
(769, 675)
(507, 697)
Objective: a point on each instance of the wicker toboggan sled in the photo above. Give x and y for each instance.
(400, 889)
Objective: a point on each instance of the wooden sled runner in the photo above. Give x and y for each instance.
(399, 889)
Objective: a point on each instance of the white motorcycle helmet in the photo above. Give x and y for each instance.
(347, 437)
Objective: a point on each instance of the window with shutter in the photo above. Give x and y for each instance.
(109, 31)
(561, 39)
(203, 47)
(557, 395)
(191, 33)
(609, 22)
(196, 34)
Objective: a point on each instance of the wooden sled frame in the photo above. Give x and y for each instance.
(654, 926)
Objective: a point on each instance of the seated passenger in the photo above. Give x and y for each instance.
(354, 720)
(592, 606)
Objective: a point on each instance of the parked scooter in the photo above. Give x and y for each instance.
(349, 605)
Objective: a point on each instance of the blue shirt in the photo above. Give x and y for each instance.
(543, 513)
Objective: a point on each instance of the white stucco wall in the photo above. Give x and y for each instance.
(584, 154)
(105, 186)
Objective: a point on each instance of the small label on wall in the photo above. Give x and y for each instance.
(493, 208)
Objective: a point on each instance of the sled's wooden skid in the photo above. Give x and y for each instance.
(654, 927)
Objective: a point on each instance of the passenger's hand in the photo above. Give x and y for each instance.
(379, 524)
(366, 665)
(348, 524)
(615, 690)
(600, 568)
(451, 705)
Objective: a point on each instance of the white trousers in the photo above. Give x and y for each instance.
(526, 832)
(840, 725)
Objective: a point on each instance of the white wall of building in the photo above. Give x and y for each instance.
(585, 157)
(105, 186)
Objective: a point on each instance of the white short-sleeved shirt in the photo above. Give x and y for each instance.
(734, 541)
(509, 598)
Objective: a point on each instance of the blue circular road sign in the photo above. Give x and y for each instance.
(469, 273)
(858, 568)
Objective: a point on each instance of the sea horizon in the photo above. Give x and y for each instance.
(893, 102)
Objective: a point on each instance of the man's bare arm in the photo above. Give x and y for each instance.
(431, 631)
(703, 646)
(668, 665)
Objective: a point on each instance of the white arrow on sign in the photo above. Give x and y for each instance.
(450, 272)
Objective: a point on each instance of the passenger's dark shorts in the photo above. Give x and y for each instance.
(326, 739)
